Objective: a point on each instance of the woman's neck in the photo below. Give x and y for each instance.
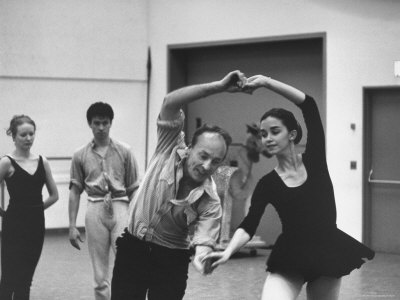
(289, 161)
(26, 154)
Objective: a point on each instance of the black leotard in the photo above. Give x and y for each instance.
(23, 231)
(310, 242)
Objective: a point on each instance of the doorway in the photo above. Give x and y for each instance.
(382, 169)
(297, 60)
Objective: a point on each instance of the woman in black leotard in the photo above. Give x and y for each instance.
(23, 222)
(311, 248)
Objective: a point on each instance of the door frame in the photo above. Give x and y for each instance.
(176, 59)
(366, 153)
(179, 57)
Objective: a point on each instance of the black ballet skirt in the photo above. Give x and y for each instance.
(310, 243)
(335, 254)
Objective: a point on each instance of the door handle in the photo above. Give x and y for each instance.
(384, 181)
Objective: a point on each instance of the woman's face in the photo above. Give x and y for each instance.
(274, 135)
(25, 136)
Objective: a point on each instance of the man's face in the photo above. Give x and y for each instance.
(206, 156)
(100, 127)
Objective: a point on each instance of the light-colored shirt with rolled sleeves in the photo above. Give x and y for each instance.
(115, 173)
(155, 215)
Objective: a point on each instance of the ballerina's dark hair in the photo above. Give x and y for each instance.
(287, 119)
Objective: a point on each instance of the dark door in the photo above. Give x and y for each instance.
(382, 169)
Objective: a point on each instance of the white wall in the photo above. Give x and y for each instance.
(73, 39)
(362, 43)
(56, 58)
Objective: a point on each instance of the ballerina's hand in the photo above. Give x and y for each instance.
(213, 260)
(234, 81)
(254, 82)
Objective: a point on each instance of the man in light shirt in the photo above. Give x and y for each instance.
(177, 193)
(107, 171)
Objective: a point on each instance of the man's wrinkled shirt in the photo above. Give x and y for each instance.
(155, 215)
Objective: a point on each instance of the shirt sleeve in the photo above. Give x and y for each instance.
(208, 225)
(131, 173)
(170, 133)
(257, 207)
(315, 145)
(76, 173)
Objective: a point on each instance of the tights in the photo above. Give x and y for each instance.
(20, 251)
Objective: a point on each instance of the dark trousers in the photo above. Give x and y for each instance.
(145, 268)
(21, 246)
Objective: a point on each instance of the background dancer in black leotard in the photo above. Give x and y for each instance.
(23, 223)
(311, 248)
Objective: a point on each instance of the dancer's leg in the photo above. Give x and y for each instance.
(279, 286)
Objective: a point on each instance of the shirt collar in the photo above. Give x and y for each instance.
(207, 187)
(210, 188)
(93, 144)
(182, 153)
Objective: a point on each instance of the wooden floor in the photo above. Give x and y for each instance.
(64, 273)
